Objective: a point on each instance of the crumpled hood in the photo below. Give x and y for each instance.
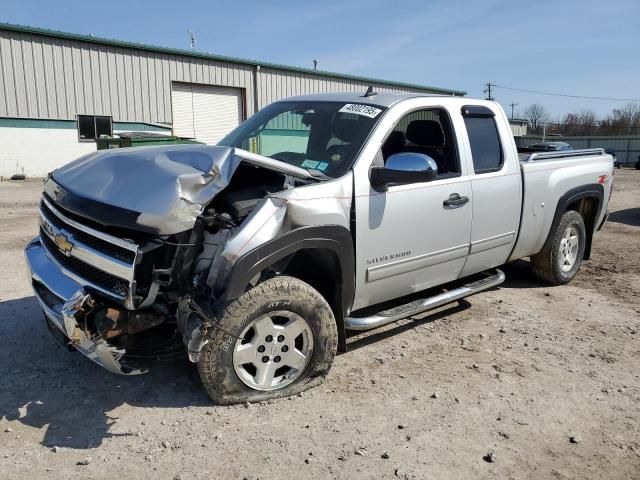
(163, 189)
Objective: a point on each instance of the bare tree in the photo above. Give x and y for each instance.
(588, 118)
(622, 120)
(629, 115)
(536, 114)
(581, 123)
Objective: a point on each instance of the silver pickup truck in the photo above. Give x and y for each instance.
(318, 215)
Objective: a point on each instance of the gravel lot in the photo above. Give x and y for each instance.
(544, 378)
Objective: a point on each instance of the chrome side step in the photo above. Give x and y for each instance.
(424, 304)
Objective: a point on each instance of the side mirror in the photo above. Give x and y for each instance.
(403, 169)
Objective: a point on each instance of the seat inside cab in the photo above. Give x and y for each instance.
(428, 132)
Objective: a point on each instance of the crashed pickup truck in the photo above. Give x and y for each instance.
(318, 215)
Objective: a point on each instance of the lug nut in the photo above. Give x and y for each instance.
(269, 338)
(280, 338)
(277, 359)
(261, 348)
(285, 348)
(265, 359)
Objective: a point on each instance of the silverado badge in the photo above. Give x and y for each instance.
(63, 243)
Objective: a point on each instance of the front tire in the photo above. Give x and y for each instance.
(276, 340)
(558, 263)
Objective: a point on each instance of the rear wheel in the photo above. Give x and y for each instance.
(558, 263)
(277, 339)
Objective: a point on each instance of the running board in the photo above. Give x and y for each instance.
(424, 304)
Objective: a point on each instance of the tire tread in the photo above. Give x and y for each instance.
(235, 315)
(544, 264)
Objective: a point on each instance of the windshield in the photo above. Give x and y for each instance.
(322, 136)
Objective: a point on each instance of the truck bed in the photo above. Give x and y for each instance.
(547, 177)
(537, 156)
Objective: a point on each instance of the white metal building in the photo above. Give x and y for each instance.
(60, 91)
(519, 126)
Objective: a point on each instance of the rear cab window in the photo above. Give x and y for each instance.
(484, 139)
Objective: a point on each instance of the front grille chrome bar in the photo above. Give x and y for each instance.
(84, 252)
(101, 235)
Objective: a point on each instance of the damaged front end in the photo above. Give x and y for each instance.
(98, 328)
(126, 269)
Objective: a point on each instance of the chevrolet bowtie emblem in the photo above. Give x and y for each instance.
(63, 243)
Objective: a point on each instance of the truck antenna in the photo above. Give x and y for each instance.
(370, 92)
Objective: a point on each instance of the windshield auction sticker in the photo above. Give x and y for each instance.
(358, 109)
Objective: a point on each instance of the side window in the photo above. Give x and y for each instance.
(485, 143)
(429, 132)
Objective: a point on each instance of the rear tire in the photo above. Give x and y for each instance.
(558, 263)
(276, 340)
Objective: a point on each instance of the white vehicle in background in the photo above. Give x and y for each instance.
(319, 214)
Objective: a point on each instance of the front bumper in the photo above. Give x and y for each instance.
(63, 300)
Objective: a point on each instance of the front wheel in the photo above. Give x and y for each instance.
(558, 263)
(276, 340)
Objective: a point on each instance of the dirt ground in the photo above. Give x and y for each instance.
(517, 371)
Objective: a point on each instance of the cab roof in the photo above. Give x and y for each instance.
(382, 99)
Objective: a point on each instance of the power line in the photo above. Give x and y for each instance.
(538, 92)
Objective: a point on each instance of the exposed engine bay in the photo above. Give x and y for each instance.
(179, 278)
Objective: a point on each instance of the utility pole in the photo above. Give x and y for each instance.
(487, 90)
(513, 105)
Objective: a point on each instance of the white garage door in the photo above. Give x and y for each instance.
(205, 112)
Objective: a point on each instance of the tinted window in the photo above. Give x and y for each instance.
(103, 127)
(91, 127)
(86, 127)
(485, 144)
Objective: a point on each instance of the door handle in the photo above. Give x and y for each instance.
(455, 201)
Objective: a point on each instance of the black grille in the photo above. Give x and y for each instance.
(84, 270)
(103, 246)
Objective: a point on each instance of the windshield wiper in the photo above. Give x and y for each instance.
(317, 174)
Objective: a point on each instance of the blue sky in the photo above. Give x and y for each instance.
(578, 47)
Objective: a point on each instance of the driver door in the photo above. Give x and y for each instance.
(412, 237)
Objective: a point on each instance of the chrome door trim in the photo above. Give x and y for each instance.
(492, 242)
(405, 265)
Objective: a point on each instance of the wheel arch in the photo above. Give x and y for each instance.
(321, 256)
(586, 200)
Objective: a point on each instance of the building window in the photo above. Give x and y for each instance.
(92, 127)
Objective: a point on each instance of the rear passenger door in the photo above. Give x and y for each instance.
(496, 185)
